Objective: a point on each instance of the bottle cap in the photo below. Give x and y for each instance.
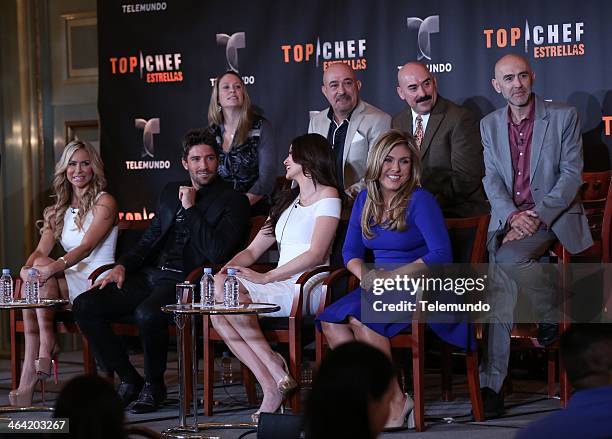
(6, 271)
(231, 271)
(33, 271)
(208, 270)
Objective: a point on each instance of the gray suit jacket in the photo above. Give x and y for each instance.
(451, 158)
(367, 124)
(555, 172)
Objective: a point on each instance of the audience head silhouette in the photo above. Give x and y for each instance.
(350, 395)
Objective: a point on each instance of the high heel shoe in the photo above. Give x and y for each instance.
(286, 384)
(22, 398)
(255, 416)
(44, 366)
(399, 423)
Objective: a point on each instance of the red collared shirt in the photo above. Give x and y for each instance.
(520, 136)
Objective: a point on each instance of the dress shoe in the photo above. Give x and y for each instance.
(22, 398)
(547, 333)
(45, 365)
(128, 392)
(286, 384)
(399, 423)
(492, 402)
(150, 399)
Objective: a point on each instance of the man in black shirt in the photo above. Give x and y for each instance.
(203, 221)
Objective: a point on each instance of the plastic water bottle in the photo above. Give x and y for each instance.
(6, 286)
(32, 286)
(230, 289)
(226, 368)
(207, 289)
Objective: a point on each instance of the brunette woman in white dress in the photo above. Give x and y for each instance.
(303, 222)
(83, 219)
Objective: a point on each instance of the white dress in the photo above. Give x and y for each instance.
(104, 253)
(293, 233)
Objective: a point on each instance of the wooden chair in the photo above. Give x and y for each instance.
(478, 255)
(64, 322)
(596, 196)
(415, 339)
(282, 330)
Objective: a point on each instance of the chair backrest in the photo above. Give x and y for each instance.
(596, 195)
(479, 225)
(255, 223)
(134, 224)
(129, 234)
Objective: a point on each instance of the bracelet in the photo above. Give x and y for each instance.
(63, 259)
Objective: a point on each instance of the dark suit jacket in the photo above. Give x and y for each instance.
(218, 226)
(451, 156)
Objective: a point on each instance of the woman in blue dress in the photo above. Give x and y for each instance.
(401, 223)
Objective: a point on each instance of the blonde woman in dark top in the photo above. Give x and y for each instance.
(248, 156)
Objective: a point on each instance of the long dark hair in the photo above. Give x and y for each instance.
(349, 378)
(315, 154)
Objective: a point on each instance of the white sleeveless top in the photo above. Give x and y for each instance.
(104, 253)
(295, 226)
(293, 232)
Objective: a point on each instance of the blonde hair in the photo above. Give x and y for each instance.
(53, 216)
(374, 207)
(215, 113)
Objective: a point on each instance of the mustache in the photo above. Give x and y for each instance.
(424, 99)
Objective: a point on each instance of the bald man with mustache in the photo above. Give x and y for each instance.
(449, 141)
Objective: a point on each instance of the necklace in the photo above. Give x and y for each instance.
(295, 205)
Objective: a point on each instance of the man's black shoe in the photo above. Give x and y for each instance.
(128, 392)
(492, 402)
(151, 397)
(547, 333)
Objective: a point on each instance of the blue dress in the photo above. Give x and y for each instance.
(425, 237)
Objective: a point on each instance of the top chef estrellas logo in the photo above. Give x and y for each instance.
(153, 68)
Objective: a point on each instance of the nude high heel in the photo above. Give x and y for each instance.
(44, 366)
(400, 422)
(23, 398)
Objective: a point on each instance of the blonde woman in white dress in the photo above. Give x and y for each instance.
(303, 222)
(83, 219)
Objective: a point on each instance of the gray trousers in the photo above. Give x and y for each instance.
(514, 267)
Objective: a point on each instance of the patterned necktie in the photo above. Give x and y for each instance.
(418, 132)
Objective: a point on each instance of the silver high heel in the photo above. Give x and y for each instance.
(400, 422)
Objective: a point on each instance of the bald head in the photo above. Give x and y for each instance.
(417, 86)
(514, 80)
(511, 59)
(341, 88)
(336, 69)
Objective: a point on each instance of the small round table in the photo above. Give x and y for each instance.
(21, 305)
(180, 311)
